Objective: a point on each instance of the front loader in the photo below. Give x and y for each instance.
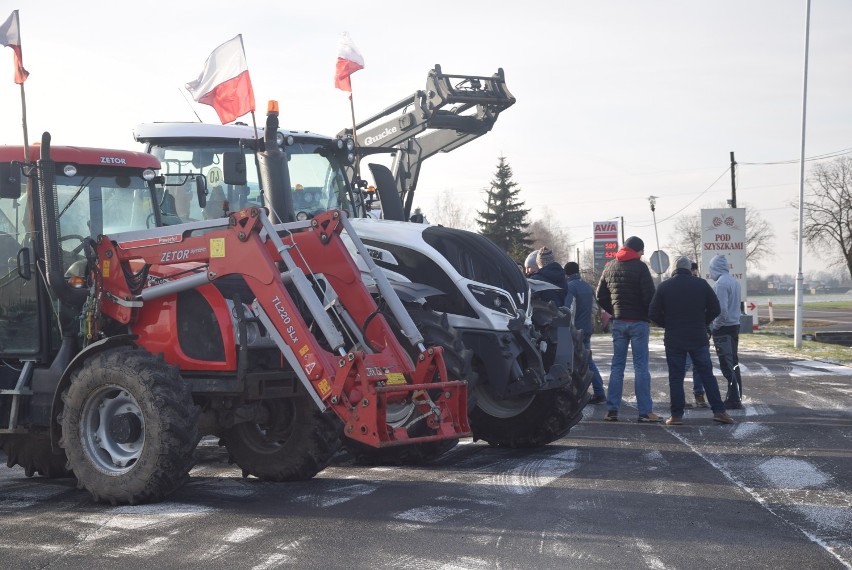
(260, 333)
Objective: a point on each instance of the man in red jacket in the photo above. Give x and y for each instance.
(625, 291)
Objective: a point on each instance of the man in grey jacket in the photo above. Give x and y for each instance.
(726, 329)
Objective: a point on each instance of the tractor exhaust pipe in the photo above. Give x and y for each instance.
(274, 173)
(48, 207)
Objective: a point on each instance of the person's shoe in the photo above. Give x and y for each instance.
(597, 399)
(733, 405)
(723, 418)
(688, 405)
(611, 416)
(650, 418)
(674, 421)
(701, 401)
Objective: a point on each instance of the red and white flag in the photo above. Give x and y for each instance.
(224, 83)
(10, 36)
(349, 60)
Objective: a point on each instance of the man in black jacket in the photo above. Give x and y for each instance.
(625, 291)
(685, 306)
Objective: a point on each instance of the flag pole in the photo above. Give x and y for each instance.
(24, 119)
(354, 135)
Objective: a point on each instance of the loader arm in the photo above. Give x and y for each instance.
(276, 262)
(455, 109)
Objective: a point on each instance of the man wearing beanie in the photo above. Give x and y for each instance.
(583, 296)
(685, 307)
(552, 272)
(625, 291)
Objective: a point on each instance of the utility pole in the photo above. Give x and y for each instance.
(622, 229)
(653, 201)
(733, 200)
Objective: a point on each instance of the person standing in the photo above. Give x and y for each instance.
(726, 329)
(583, 296)
(684, 307)
(551, 272)
(625, 290)
(697, 384)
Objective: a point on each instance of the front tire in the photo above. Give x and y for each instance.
(128, 427)
(541, 418)
(294, 443)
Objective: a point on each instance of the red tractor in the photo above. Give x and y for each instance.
(125, 340)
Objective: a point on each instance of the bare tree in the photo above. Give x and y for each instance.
(451, 213)
(546, 232)
(827, 209)
(759, 237)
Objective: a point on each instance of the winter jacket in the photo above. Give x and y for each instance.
(684, 305)
(727, 290)
(584, 295)
(555, 274)
(626, 287)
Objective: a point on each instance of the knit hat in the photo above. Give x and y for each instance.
(683, 263)
(635, 244)
(529, 262)
(571, 268)
(544, 257)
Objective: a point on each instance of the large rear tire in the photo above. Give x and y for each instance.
(436, 331)
(294, 443)
(538, 419)
(33, 452)
(128, 427)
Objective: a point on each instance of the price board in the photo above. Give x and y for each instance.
(606, 243)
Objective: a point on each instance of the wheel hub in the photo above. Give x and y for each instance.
(125, 428)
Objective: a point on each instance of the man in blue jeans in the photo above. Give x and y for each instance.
(625, 291)
(685, 307)
(583, 296)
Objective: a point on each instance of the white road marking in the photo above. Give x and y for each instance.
(790, 473)
(648, 555)
(242, 534)
(428, 514)
(529, 475)
(836, 369)
(749, 430)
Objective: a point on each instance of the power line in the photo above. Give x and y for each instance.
(689, 203)
(796, 160)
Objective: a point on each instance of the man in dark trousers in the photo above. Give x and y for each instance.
(685, 306)
(625, 291)
(582, 294)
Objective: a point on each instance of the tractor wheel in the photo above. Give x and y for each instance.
(538, 419)
(128, 427)
(33, 453)
(294, 442)
(436, 331)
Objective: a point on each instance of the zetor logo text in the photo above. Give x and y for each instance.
(113, 160)
(385, 133)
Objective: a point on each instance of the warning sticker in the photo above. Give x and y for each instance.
(324, 387)
(395, 378)
(105, 268)
(217, 247)
(304, 350)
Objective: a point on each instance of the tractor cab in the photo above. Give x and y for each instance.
(223, 161)
(99, 191)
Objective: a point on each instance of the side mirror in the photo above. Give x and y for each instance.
(234, 168)
(10, 180)
(201, 190)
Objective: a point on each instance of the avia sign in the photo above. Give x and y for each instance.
(606, 243)
(723, 233)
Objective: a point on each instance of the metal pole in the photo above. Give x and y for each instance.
(733, 181)
(653, 201)
(797, 327)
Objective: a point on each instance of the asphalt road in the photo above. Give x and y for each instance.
(772, 491)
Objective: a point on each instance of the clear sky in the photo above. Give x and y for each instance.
(616, 100)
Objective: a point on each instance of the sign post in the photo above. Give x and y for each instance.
(606, 243)
(723, 232)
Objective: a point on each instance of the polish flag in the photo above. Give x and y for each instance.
(10, 36)
(349, 60)
(224, 83)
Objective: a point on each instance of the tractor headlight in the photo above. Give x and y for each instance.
(69, 170)
(493, 299)
(148, 174)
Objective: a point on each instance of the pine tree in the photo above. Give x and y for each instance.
(505, 219)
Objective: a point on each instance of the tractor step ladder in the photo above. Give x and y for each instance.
(21, 389)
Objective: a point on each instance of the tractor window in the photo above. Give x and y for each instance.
(182, 163)
(18, 297)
